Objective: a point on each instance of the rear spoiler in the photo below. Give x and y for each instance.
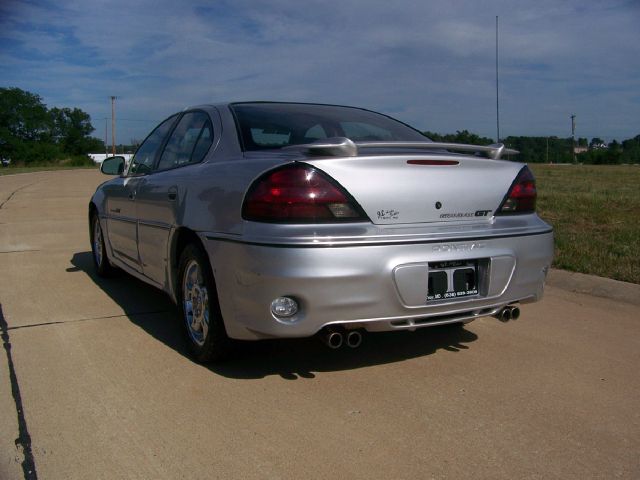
(345, 147)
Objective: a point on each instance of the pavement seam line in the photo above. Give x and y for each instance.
(61, 322)
(24, 439)
(19, 251)
(14, 192)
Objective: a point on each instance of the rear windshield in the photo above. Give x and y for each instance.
(264, 126)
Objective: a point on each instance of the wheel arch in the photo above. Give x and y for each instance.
(182, 237)
(93, 210)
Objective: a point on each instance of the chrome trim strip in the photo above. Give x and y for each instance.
(339, 244)
(118, 218)
(124, 255)
(161, 225)
(121, 219)
(418, 321)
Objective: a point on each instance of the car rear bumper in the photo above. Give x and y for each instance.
(376, 287)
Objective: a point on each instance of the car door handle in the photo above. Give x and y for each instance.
(172, 193)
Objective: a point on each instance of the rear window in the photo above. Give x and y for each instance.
(263, 126)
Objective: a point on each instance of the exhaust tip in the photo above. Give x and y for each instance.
(515, 313)
(332, 339)
(504, 315)
(354, 339)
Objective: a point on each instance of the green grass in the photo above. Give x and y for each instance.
(595, 212)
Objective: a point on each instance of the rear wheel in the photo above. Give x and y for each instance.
(206, 336)
(98, 249)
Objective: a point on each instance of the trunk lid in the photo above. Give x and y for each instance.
(405, 189)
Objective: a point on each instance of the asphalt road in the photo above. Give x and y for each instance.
(95, 382)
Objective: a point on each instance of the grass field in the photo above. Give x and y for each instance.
(595, 212)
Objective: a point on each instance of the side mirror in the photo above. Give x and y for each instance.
(112, 166)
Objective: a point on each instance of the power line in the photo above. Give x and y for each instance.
(135, 120)
(573, 137)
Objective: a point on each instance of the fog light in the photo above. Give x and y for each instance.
(284, 307)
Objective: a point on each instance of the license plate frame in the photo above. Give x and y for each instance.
(453, 280)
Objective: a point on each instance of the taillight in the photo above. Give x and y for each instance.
(299, 194)
(522, 195)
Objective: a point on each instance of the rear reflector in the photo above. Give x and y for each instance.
(299, 194)
(522, 195)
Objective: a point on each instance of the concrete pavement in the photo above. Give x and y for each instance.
(95, 381)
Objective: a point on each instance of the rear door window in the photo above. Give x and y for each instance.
(189, 142)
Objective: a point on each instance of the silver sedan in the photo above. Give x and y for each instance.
(266, 220)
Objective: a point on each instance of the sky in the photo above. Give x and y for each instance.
(431, 64)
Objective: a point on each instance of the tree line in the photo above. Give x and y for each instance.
(555, 149)
(31, 133)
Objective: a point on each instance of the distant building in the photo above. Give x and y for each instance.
(578, 150)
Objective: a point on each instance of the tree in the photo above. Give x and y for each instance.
(631, 150)
(23, 116)
(30, 133)
(601, 156)
(71, 129)
(554, 149)
(615, 144)
(24, 127)
(461, 136)
(541, 149)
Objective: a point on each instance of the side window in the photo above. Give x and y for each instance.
(146, 154)
(189, 141)
(203, 144)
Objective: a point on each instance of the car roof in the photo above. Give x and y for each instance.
(271, 102)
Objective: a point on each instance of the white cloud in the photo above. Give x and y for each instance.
(429, 63)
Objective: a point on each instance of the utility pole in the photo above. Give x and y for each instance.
(113, 124)
(497, 101)
(106, 145)
(573, 137)
(547, 149)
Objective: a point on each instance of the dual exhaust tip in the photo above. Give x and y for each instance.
(510, 312)
(334, 338)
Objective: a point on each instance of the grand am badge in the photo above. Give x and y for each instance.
(388, 214)
(477, 213)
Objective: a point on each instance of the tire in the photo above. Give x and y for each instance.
(98, 249)
(200, 311)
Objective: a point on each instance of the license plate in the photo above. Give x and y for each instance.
(451, 280)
